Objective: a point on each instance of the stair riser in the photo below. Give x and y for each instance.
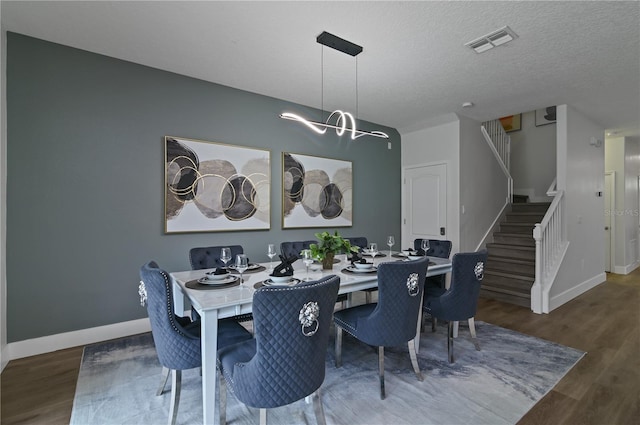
(530, 208)
(513, 252)
(524, 218)
(514, 228)
(519, 285)
(512, 268)
(523, 240)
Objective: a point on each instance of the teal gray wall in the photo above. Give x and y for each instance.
(85, 179)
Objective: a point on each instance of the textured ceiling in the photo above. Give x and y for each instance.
(414, 69)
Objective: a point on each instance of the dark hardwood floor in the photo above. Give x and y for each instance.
(602, 389)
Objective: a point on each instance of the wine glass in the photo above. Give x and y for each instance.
(390, 241)
(242, 264)
(373, 250)
(225, 256)
(307, 259)
(425, 245)
(271, 252)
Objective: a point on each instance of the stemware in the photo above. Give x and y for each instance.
(225, 256)
(242, 264)
(271, 252)
(373, 250)
(425, 245)
(307, 259)
(390, 241)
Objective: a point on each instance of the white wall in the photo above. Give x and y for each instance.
(631, 213)
(533, 145)
(580, 175)
(483, 186)
(433, 145)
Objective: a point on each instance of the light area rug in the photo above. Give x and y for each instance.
(497, 385)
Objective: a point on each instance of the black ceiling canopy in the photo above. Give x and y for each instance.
(338, 43)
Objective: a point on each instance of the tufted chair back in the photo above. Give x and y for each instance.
(287, 360)
(359, 241)
(437, 248)
(177, 340)
(290, 249)
(460, 301)
(393, 321)
(209, 257)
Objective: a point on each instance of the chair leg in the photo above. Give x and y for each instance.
(456, 324)
(381, 371)
(263, 416)
(450, 342)
(434, 322)
(338, 346)
(223, 399)
(176, 385)
(163, 380)
(318, 409)
(414, 359)
(472, 330)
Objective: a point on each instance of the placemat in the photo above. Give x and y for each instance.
(255, 270)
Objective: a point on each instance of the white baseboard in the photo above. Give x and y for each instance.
(47, 344)
(566, 296)
(626, 269)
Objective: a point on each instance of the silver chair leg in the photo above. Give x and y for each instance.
(338, 346)
(434, 322)
(472, 330)
(456, 325)
(263, 416)
(318, 409)
(450, 342)
(223, 399)
(176, 385)
(414, 359)
(163, 380)
(381, 371)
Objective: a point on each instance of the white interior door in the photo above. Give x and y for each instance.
(609, 184)
(425, 197)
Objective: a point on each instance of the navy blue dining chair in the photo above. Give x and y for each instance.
(437, 248)
(460, 301)
(285, 362)
(177, 339)
(392, 321)
(208, 257)
(291, 249)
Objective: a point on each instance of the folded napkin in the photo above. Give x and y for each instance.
(219, 271)
(356, 257)
(285, 267)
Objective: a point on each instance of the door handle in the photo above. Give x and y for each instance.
(606, 227)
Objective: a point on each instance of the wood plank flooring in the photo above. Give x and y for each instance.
(602, 389)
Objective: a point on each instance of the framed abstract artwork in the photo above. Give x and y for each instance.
(213, 187)
(511, 123)
(316, 192)
(545, 116)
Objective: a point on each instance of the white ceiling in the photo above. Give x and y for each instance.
(414, 69)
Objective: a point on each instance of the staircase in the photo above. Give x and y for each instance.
(510, 268)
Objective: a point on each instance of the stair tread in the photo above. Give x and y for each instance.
(502, 245)
(512, 260)
(506, 291)
(510, 275)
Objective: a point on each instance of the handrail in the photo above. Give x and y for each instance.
(550, 236)
(553, 188)
(500, 143)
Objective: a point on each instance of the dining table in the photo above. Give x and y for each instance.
(217, 302)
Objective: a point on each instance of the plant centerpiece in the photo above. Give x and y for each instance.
(327, 247)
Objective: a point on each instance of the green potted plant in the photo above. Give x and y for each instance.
(327, 247)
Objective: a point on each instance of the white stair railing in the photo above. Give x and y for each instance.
(500, 144)
(500, 139)
(551, 245)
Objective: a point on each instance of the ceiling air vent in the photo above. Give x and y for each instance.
(491, 40)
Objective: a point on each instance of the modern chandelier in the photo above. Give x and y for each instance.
(339, 120)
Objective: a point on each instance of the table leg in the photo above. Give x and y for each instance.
(209, 345)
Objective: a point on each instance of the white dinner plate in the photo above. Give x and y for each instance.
(252, 266)
(356, 270)
(225, 281)
(269, 282)
(217, 276)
